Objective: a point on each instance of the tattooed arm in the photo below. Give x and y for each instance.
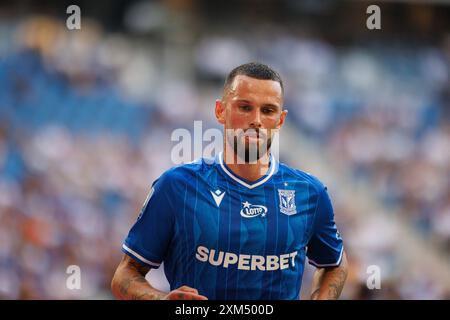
(329, 282)
(129, 283)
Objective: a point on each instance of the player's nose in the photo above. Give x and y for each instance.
(256, 120)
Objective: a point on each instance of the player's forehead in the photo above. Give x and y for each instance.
(255, 90)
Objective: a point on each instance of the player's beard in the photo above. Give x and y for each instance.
(243, 150)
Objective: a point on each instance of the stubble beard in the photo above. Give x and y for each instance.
(249, 154)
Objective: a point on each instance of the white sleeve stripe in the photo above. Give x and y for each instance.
(137, 255)
(328, 264)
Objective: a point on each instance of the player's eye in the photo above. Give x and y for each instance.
(267, 110)
(245, 107)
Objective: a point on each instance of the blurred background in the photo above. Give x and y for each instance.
(86, 118)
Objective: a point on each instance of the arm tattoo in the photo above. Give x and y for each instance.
(143, 296)
(336, 283)
(329, 282)
(139, 267)
(125, 284)
(315, 294)
(131, 286)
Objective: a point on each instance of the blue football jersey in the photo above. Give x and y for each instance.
(234, 239)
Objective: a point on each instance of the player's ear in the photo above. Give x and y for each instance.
(220, 111)
(282, 118)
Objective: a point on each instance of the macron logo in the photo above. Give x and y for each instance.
(218, 196)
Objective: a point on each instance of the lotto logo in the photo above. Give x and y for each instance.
(252, 210)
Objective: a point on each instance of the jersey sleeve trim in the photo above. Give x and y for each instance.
(140, 258)
(322, 265)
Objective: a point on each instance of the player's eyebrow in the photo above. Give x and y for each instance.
(270, 105)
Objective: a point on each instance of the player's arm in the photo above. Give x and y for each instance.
(146, 245)
(328, 282)
(129, 283)
(326, 252)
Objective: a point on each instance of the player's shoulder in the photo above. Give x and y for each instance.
(186, 171)
(302, 176)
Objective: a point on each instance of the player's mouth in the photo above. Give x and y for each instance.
(253, 136)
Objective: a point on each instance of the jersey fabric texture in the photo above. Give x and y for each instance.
(234, 239)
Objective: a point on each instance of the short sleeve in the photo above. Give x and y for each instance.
(325, 246)
(149, 237)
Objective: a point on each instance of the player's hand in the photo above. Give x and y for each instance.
(184, 293)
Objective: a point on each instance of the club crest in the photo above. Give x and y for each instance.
(287, 201)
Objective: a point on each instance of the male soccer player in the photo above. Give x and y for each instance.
(238, 226)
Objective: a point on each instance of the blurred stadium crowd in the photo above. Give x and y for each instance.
(86, 118)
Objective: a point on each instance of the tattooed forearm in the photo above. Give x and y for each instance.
(329, 282)
(144, 296)
(124, 286)
(336, 282)
(129, 282)
(315, 294)
(138, 267)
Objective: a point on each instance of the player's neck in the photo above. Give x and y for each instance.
(248, 171)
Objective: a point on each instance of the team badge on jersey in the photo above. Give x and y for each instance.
(287, 201)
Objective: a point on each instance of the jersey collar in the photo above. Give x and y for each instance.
(243, 182)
